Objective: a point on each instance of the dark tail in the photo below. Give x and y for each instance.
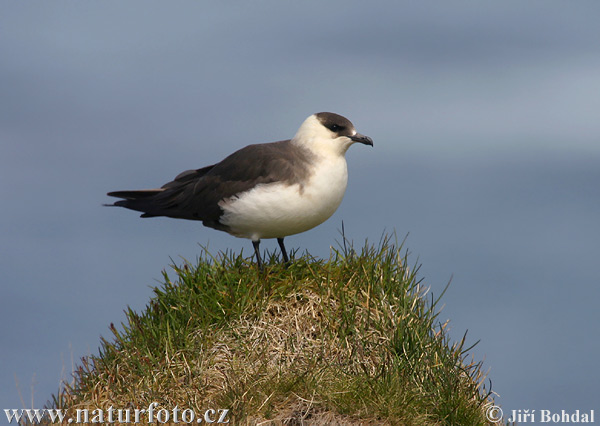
(178, 198)
(140, 200)
(135, 195)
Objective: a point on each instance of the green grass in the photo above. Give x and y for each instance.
(350, 340)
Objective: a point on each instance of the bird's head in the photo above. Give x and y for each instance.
(326, 132)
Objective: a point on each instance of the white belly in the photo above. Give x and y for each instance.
(277, 210)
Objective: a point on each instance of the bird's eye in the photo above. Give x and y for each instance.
(335, 128)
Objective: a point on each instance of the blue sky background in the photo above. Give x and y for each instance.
(485, 117)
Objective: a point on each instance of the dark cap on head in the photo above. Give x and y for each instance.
(341, 126)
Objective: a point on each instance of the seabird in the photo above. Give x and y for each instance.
(268, 190)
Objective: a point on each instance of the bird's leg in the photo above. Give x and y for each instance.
(256, 245)
(286, 259)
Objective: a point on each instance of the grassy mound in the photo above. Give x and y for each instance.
(352, 340)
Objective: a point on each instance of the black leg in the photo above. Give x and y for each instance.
(286, 259)
(256, 245)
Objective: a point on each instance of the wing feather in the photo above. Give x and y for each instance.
(195, 194)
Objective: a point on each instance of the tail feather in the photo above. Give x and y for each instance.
(140, 200)
(135, 195)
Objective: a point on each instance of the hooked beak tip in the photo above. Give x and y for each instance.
(362, 139)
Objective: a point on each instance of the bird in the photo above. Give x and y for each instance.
(262, 191)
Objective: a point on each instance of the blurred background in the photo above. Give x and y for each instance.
(485, 117)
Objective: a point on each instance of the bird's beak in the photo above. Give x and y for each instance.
(362, 139)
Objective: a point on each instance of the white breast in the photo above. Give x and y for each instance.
(277, 210)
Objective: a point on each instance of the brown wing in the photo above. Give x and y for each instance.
(195, 194)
